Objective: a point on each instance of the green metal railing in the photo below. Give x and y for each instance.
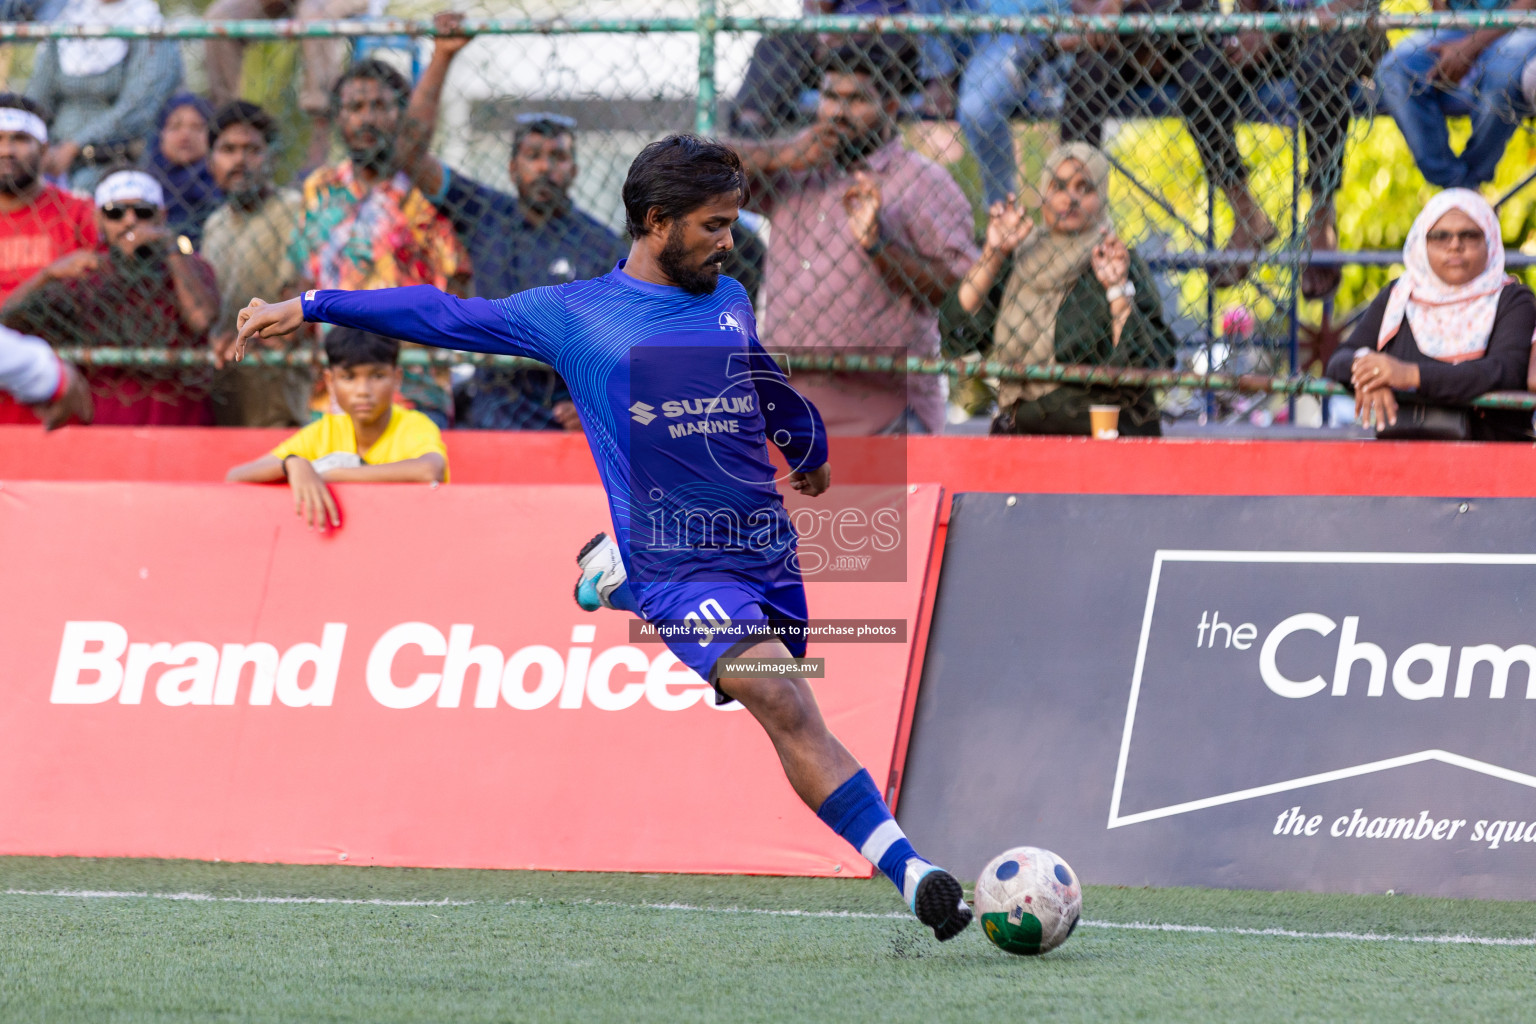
(819, 362)
(706, 25)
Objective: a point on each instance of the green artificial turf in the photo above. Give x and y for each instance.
(536, 946)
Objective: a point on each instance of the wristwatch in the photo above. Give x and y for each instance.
(1123, 290)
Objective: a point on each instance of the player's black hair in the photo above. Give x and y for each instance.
(27, 103)
(242, 112)
(346, 347)
(372, 70)
(890, 61)
(676, 176)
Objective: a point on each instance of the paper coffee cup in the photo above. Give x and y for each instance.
(1105, 420)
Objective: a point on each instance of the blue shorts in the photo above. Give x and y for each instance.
(776, 603)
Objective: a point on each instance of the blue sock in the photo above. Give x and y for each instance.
(623, 599)
(856, 812)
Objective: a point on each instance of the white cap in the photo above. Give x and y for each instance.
(14, 119)
(125, 185)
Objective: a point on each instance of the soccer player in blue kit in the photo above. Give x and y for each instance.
(679, 402)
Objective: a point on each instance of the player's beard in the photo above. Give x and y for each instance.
(17, 176)
(694, 279)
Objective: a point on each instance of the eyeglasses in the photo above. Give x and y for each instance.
(1470, 238)
(142, 211)
(538, 117)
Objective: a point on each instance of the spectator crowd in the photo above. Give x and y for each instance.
(137, 215)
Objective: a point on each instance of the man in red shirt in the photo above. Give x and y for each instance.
(141, 289)
(38, 221)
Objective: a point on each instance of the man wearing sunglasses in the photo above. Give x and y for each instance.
(533, 239)
(143, 288)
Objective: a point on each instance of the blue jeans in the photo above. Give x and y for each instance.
(992, 90)
(1490, 95)
(943, 55)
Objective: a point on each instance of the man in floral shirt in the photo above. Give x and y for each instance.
(366, 226)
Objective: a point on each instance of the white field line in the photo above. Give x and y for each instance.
(204, 897)
(1286, 933)
(1139, 926)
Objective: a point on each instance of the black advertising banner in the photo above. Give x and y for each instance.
(1332, 694)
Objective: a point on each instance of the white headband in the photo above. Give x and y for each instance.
(14, 119)
(124, 185)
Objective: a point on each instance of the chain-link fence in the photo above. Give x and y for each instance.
(1159, 210)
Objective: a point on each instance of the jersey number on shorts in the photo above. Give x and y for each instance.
(710, 610)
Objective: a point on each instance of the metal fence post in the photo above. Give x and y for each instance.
(704, 114)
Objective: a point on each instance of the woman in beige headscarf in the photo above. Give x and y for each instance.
(1069, 293)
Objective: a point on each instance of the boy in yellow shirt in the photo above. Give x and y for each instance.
(369, 440)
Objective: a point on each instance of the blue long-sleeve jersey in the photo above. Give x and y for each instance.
(677, 397)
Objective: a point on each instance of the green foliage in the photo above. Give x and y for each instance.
(270, 79)
(1381, 194)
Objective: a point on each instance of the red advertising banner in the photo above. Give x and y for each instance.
(188, 671)
(1021, 465)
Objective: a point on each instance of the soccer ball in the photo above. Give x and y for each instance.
(1029, 900)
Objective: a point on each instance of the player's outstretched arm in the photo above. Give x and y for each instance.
(421, 314)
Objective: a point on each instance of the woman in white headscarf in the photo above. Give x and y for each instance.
(1453, 327)
(1069, 293)
(105, 94)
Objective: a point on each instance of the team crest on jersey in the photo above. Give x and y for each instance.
(728, 322)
